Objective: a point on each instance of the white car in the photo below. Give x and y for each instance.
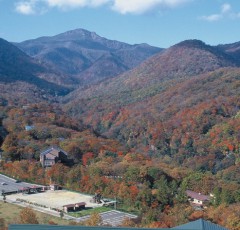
(3, 183)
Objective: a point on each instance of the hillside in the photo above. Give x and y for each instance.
(16, 68)
(87, 56)
(171, 105)
(178, 63)
(149, 185)
(232, 49)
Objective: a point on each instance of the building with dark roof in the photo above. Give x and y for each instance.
(53, 155)
(200, 224)
(74, 207)
(198, 199)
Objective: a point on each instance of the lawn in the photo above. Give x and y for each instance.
(89, 211)
(10, 213)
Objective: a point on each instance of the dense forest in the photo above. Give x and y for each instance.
(151, 185)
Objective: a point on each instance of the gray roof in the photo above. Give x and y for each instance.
(197, 196)
(200, 224)
(48, 150)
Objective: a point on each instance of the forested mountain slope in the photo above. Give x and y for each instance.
(20, 74)
(184, 60)
(170, 105)
(232, 49)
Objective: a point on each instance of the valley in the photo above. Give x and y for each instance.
(141, 124)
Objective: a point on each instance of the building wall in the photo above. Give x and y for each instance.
(197, 201)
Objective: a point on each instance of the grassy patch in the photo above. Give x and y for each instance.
(89, 211)
(10, 213)
(124, 208)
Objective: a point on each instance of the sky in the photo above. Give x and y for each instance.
(160, 23)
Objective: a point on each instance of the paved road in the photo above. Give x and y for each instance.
(9, 185)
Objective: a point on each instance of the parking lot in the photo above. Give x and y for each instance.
(113, 218)
(10, 185)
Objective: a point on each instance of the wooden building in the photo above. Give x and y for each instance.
(74, 207)
(53, 155)
(198, 199)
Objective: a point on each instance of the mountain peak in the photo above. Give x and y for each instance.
(85, 55)
(191, 43)
(201, 50)
(79, 34)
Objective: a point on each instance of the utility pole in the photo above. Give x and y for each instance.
(4, 196)
(115, 203)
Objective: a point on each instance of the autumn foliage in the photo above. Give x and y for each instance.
(28, 216)
(144, 155)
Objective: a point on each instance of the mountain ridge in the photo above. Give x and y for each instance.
(178, 62)
(74, 52)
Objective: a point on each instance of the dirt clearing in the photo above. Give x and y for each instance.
(55, 199)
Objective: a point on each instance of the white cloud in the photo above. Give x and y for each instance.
(39, 6)
(63, 4)
(26, 7)
(121, 6)
(141, 6)
(212, 18)
(226, 12)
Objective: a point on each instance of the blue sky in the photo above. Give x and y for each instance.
(160, 23)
